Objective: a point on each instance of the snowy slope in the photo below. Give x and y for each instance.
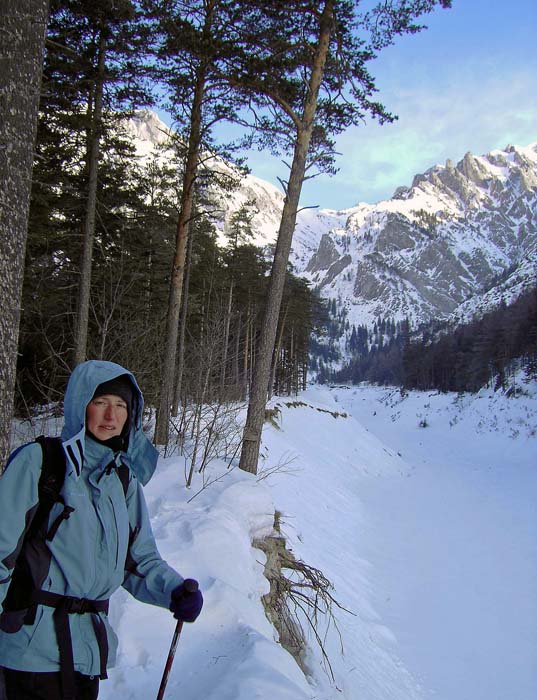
(428, 535)
(231, 652)
(454, 556)
(152, 139)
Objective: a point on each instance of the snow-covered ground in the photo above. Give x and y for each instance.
(429, 535)
(454, 550)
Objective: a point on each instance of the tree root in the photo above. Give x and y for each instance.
(300, 595)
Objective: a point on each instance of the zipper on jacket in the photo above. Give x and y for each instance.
(117, 530)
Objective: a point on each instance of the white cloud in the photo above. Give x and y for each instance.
(461, 110)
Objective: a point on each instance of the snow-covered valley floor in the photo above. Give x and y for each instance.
(429, 535)
(455, 545)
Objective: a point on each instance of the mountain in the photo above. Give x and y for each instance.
(452, 245)
(151, 138)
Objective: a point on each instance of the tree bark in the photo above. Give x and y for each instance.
(178, 268)
(166, 394)
(182, 333)
(246, 357)
(81, 337)
(23, 26)
(236, 373)
(258, 392)
(276, 355)
(225, 352)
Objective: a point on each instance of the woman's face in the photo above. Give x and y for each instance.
(106, 415)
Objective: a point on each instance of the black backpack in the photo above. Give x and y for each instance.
(20, 589)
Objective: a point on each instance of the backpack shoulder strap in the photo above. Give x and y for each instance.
(53, 469)
(51, 479)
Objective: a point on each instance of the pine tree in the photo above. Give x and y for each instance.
(23, 24)
(59, 210)
(94, 71)
(194, 49)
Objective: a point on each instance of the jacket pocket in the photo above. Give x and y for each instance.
(12, 622)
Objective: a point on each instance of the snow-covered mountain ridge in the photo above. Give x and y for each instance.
(455, 243)
(451, 246)
(151, 138)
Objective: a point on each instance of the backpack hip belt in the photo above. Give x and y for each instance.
(68, 605)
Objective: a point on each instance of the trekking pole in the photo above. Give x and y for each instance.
(190, 586)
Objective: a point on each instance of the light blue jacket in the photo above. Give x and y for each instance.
(106, 542)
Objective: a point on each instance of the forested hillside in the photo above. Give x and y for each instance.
(446, 357)
(224, 290)
(104, 224)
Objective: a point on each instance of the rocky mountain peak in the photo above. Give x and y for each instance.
(459, 234)
(325, 255)
(147, 129)
(474, 171)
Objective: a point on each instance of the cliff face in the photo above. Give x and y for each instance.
(457, 241)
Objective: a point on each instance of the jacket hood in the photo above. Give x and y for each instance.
(141, 456)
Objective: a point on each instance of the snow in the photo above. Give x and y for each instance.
(465, 611)
(427, 533)
(530, 152)
(148, 132)
(499, 172)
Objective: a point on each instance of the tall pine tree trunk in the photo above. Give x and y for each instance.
(225, 351)
(93, 152)
(246, 356)
(277, 350)
(176, 278)
(236, 355)
(166, 394)
(22, 42)
(258, 391)
(182, 324)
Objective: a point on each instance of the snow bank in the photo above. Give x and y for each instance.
(231, 652)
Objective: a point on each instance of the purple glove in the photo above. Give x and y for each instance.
(187, 601)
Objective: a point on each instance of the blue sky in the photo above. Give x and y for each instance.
(467, 83)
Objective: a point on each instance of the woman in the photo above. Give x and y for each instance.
(58, 643)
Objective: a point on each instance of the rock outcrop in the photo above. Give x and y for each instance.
(455, 235)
